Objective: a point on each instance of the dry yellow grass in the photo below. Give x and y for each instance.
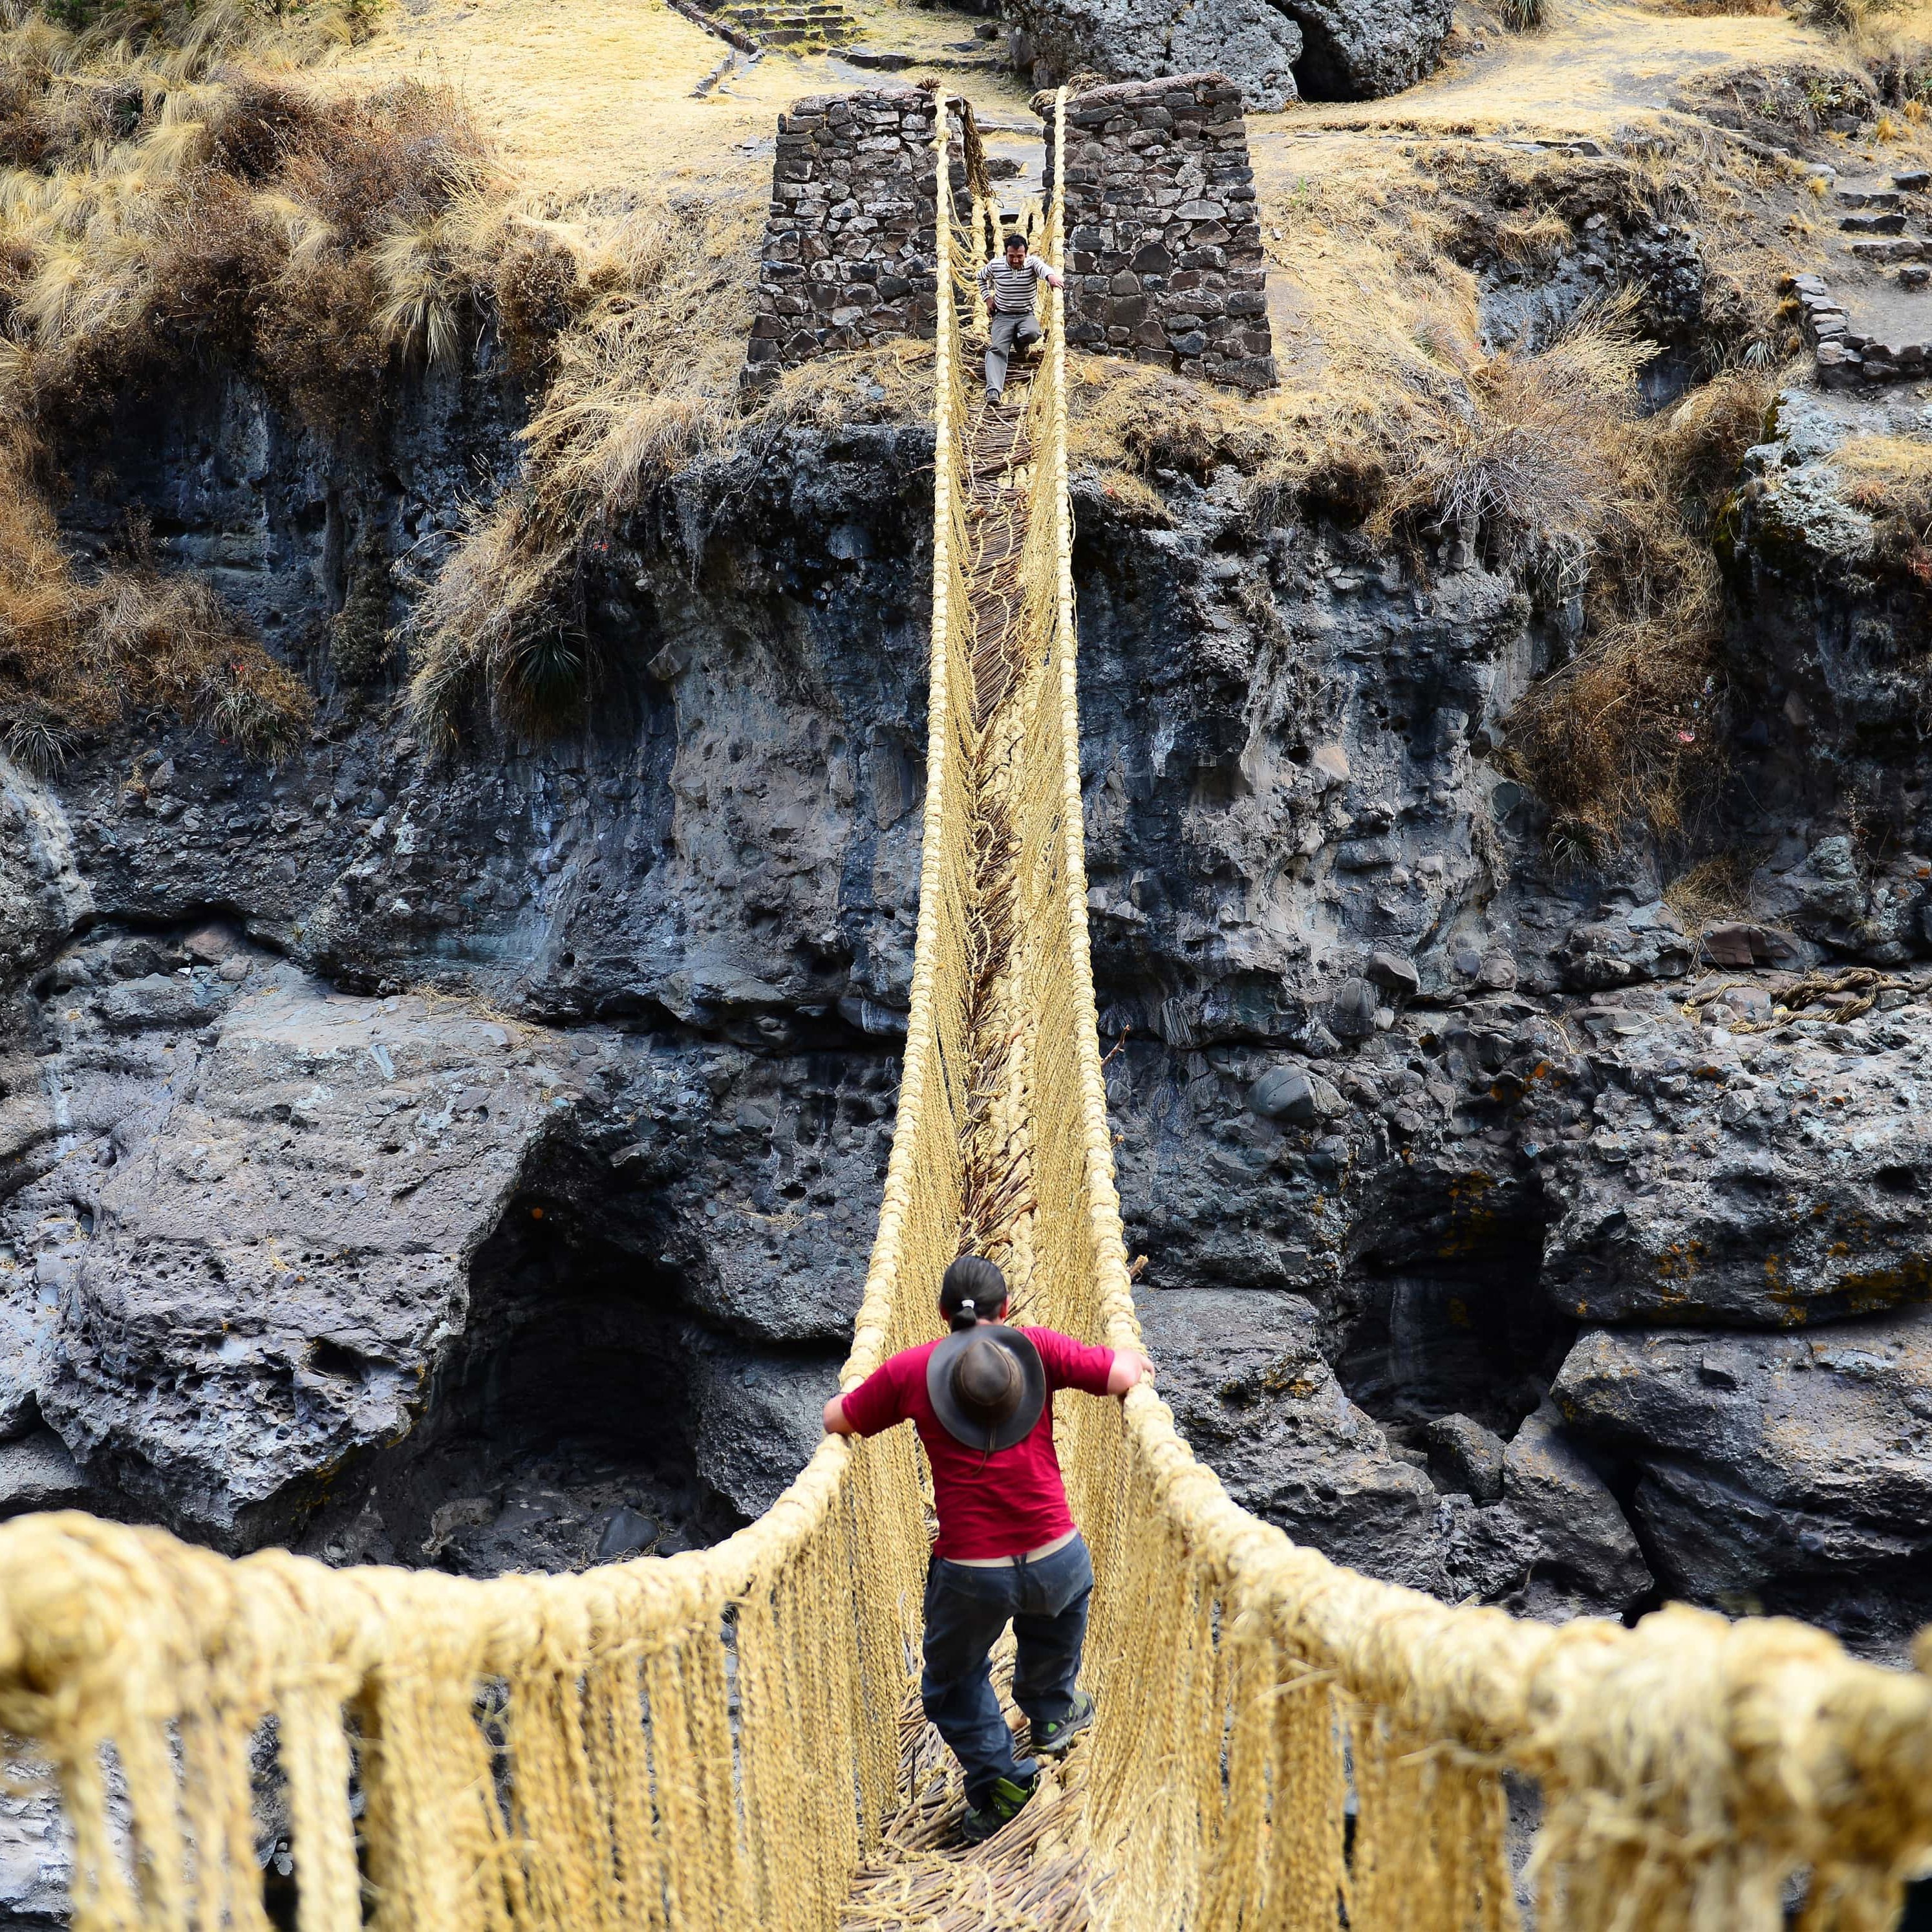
(645, 379)
(1528, 465)
(594, 109)
(1593, 67)
(77, 655)
(1622, 734)
(1889, 477)
(1715, 889)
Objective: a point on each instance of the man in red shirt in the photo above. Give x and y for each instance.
(981, 1399)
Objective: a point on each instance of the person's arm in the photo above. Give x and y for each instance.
(1091, 1369)
(1041, 266)
(986, 286)
(877, 1403)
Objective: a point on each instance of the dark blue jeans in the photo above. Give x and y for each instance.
(966, 1608)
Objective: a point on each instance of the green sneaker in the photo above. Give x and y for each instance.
(1054, 1740)
(1007, 1801)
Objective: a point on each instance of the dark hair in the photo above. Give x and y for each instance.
(1014, 242)
(971, 1279)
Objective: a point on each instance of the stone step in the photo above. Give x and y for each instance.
(1914, 182)
(784, 32)
(1897, 248)
(822, 22)
(1872, 224)
(1870, 197)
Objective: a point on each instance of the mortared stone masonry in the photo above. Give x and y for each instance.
(1164, 255)
(1165, 261)
(850, 242)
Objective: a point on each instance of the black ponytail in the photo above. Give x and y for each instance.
(974, 1291)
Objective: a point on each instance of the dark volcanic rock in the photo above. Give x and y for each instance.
(1623, 945)
(1253, 42)
(1243, 1372)
(1767, 1459)
(1588, 1551)
(1396, 1111)
(1751, 1179)
(273, 1194)
(1361, 50)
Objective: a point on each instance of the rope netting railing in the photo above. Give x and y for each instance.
(716, 1741)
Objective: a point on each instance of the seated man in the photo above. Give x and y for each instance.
(1008, 286)
(981, 1399)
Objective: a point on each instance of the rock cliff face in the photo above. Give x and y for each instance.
(473, 1161)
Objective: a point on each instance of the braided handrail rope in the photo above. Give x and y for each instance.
(712, 1741)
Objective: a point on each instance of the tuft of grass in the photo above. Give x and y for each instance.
(79, 655)
(1888, 477)
(1523, 462)
(1623, 733)
(1533, 240)
(319, 242)
(187, 37)
(645, 379)
(1716, 889)
(1127, 422)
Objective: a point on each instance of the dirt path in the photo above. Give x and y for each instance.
(1595, 58)
(600, 105)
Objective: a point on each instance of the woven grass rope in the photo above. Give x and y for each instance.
(723, 1739)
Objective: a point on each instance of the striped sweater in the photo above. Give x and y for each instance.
(1011, 289)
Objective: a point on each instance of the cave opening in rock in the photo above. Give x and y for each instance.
(559, 1429)
(1471, 1333)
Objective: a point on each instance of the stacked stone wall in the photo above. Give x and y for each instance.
(849, 240)
(1164, 249)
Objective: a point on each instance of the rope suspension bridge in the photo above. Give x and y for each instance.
(729, 1738)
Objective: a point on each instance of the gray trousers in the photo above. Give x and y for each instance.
(1008, 332)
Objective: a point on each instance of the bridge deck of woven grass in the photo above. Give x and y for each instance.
(724, 1739)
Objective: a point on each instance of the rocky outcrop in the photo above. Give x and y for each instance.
(42, 893)
(1758, 1180)
(273, 1194)
(1273, 50)
(1587, 1555)
(1771, 1464)
(1532, 1524)
(1361, 49)
(1255, 44)
(1244, 1371)
(1826, 701)
(258, 1237)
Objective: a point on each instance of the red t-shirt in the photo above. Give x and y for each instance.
(1003, 1504)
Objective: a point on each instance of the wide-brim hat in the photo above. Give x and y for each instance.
(970, 1429)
